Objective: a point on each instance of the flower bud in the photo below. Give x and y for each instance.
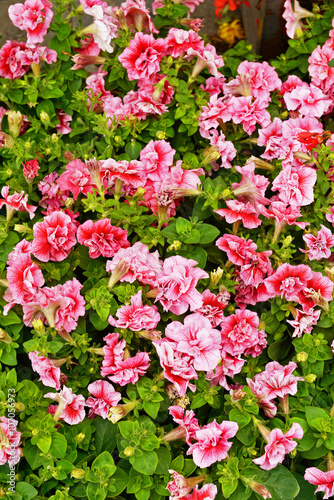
(175, 246)
(38, 326)
(78, 473)
(4, 337)
(330, 273)
(19, 406)
(260, 489)
(129, 451)
(120, 270)
(210, 154)
(310, 378)
(79, 437)
(302, 357)
(116, 413)
(14, 122)
(160, 135)
(44, 117)
(215, 276)
(6, 141)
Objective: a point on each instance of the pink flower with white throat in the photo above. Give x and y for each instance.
(295, 185)
(16, 202)
(287, 281)
(177, 285)
(10, 440)
(239, 211)
(324, 480)
(104, 398)
(136, 317)
(278, 380)
(293, 17)
(156, 159)
(278, 446)
(142, 58)
(240, 334)
(211, 443)
(319, 246)
(71, 407)
(34, 16)
(49, 373)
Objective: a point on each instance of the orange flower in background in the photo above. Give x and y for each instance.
(231, 4)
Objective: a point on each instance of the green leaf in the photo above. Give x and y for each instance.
(95, 492)
(105, 435)
(102, 468)
(33, 455)
(183, 225)
(151, 408)
(118, 482)
(63, 31)
(178, 464)
(143, 494)
(58, 446)
(26, 490)
(44, 443)
(9, 357)
(229, 487)
(164, 460)
(313, 413)
(278, 350)
(10, 319)
(242, 418)
(281, 483)
(51, 93)
(127, 428)
(133, 149)
(306, 489)
(208, 233)
(189, 467)
(16, 95)
(96, 321)
(145, 463)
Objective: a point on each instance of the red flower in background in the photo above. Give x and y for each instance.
(232, 5)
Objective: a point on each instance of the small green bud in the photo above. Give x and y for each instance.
(44, 117)
(79, 437)
(302, 357)
(160, 135)
(310, 378)
(129, 451)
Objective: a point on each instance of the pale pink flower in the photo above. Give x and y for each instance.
(63, 126)
(212, 443)
(53, 198)
(276, 145)
(322, 75)
(102, 238)
(177, 285)
(308, 101)
(252, 187)
(229, 366)
(113, 353)
(264, 400)
(145, 267)
(16, 202)
(207, 492)
(156, 159)
(49, 374)
(23, 247)
(287, 281)
(142, 58)
(103, 27)
(96, 85)
(283, 214)
(11, 65)
(136, 317)
(215, 110)
(295, 185)
(54, 237)
(71, 406)
(207, 57)
(129, 173)
(186, 419)
(197, 339)
(179, 486)
(245, 212)
(278, 380)
(225, 148)
(249, 111)
(240, 334)
(76, 179)
(105, 397)
(278, 446)
(263, 78)
(10, 441)
(293, 17)
(304, 322)
(179, 41)
(212, 307)
(324, 480)
(44, 306)
(34, 16)
(30, 169)
(178, 367)
(319, 246)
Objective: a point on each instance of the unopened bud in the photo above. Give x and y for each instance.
(129, 451)
(20, 406)
(210, 154)
(14, 122)
(330, 273)
(310, 378)
(287, 241)
(44, 117)
(54, 138)
(260, 489)
(119, 271)
(78, 473)
(260, 163)
(171, 391)
(160, 135)
(139, 193)
(216, 276)
(116, 413)
(79, 437)
(38, 326)
(69, 202)
(117, 138)
(21, 228)
(175, 246)
(4, 337)
(302, 357)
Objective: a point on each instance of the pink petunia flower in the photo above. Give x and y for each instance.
(229, 366)
(212, 443)
(319, 246)
(10, 441)
(238, 249)
(102, 238)
(239, 211)
(295, 185)
(122, 171)
(71, 407)
(240, 334)
(105, 397)
(53, 198)
(294, 16)
(207, 492)
(137, 16)
(72, 306)
(249, 112)
(54, 237)
(34, 16)
(11, 64)
(263, 78)
(264, 400)
(30, 169)
(317, 291)
(49, 374)
(324, 480)
(197, 339)
(206, 58)
(76, 179)
(16, 202)
(179, 41)
(178, 367)
(278, 380)
(24, 279)
(177, 284)
(287, 281)
(304, 322)
(213, 307)
(136, 317)
(63, 126)
(278, 446)
(156, 159)
(143, 56)
(308, 101)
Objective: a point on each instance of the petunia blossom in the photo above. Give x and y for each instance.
(143, 56)
(49, 373)
(10, 441)
(295, 185)
(34, 17)
(318, 247)
(324, 480)
(136, 317)
(104, 396)
(239, 211)
(278, 380)
(76, 179)
(71, 407)
(102, 238)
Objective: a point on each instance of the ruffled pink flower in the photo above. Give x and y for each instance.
(240, 334)
(206, 58)
(102, 238)
(49, 374)
(212, 443)
(142, 58)
(129, 173)
(11, 65)
(179, 486)
(317, 291)
(249, 112)
(293, 17)
(321, 73)
(304, 322)
(71, 407)
(53, 198)
(72, 306)
(178, 367)
(105, 397)
(23, 247)
(207, 492)
(76, 179)
(177, 285)
(245, 212)
(278, 446)
(197, 339)
(145, 267)
(10, 441)
(54, 237)
(30, 169)
(225, 148)
(214, 85)
(264, 400)
(287, 281)
(283, 214)
(16, 202)
(319, 246)
(63, 126)
(276, 145)
(303, 131)
(88, 47)
(308, 101)
(324, 480)
(185, 419)
(213, 307)
(229, 366)
(156, 159)
(136, 317)
(44, 306)
(215, 110)
(138, 16)
(238, 249)
(96, 85)
(263, 78)
(278, 380)
(179, 41)
(34, 16)
(24, 279)
(252, 187)
(295, 185)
